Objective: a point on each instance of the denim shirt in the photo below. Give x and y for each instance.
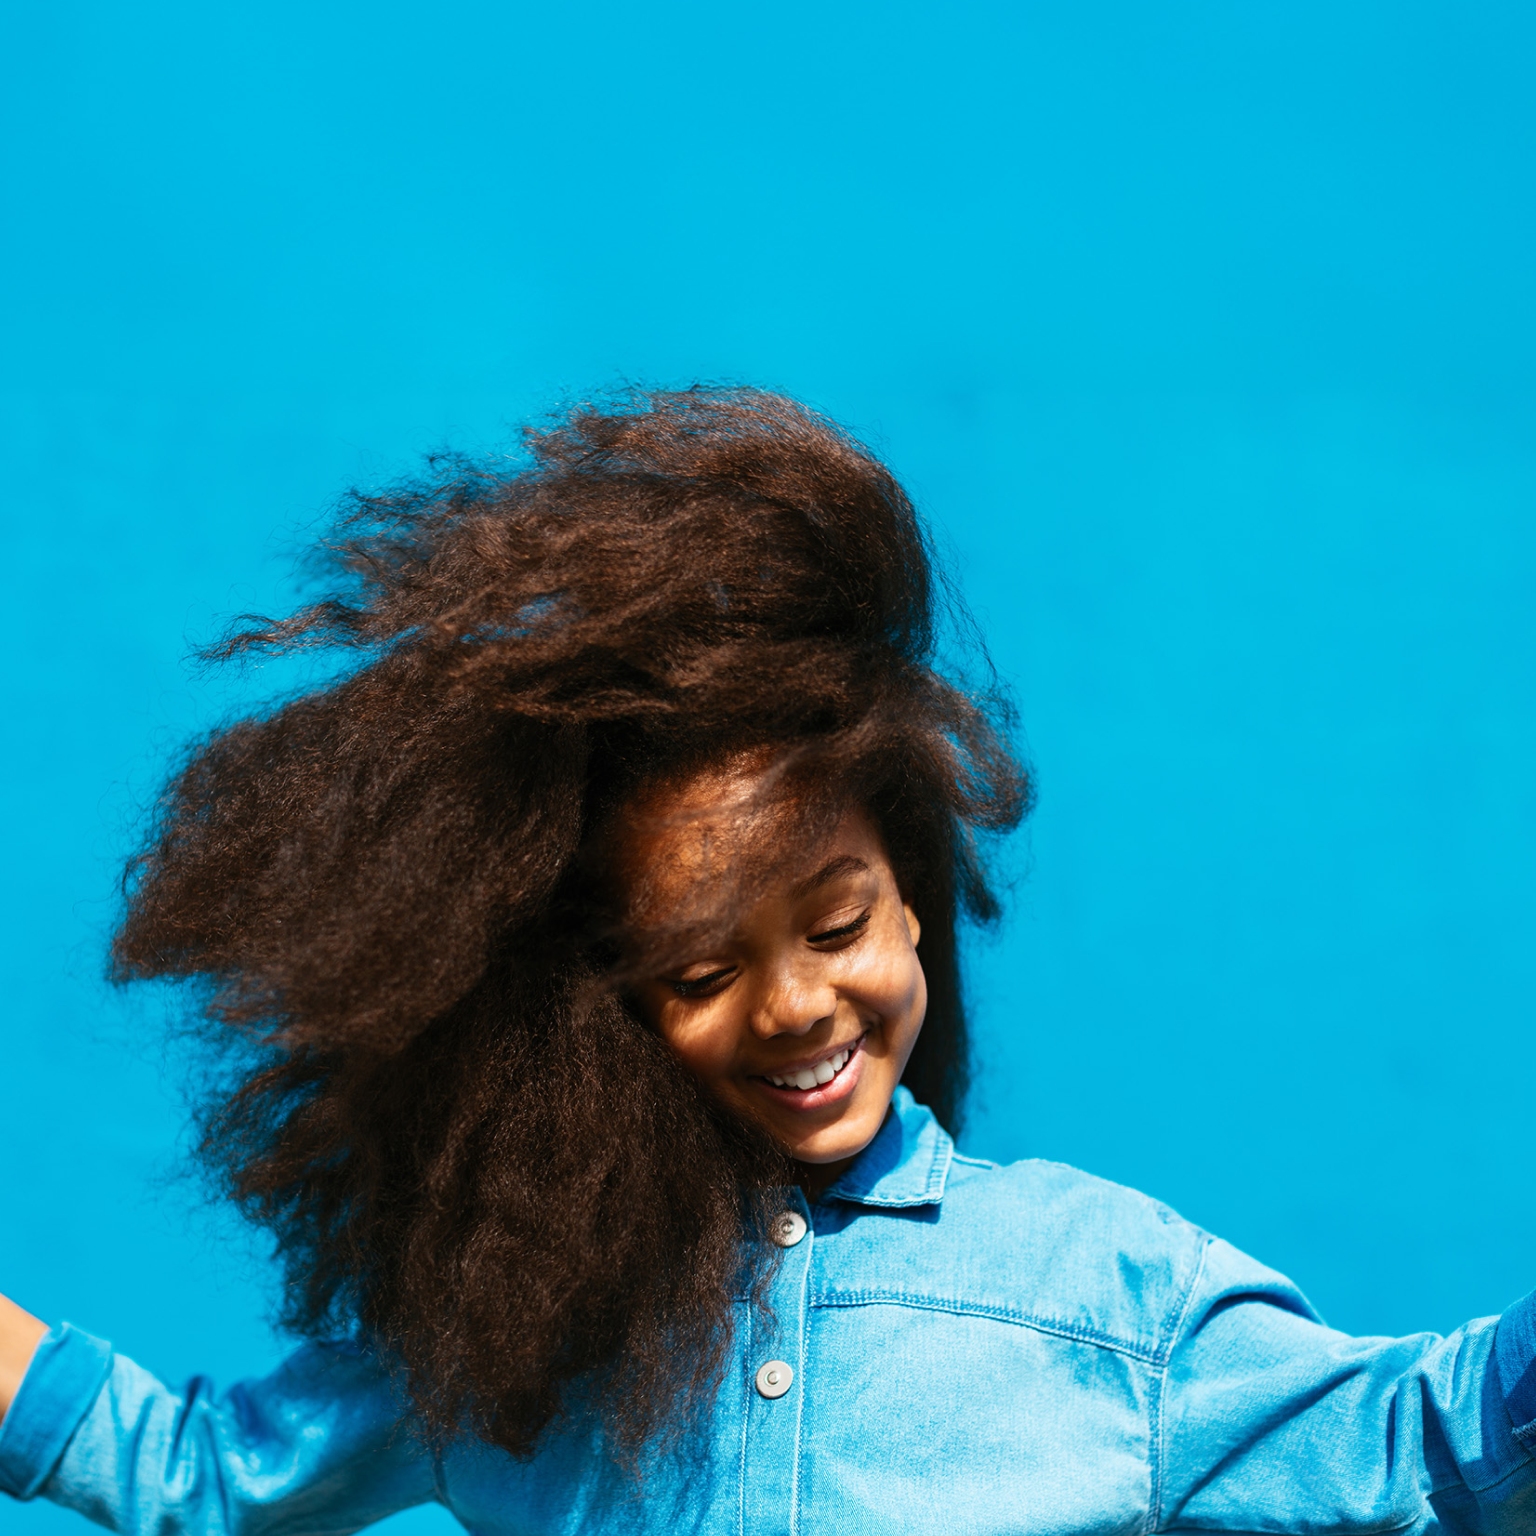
(957, 1347)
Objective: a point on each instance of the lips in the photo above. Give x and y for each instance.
(817, 1076)
(831, 1076)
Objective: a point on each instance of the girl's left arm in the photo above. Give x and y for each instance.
(1270, 1421)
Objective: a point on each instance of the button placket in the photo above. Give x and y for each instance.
(776, 1381)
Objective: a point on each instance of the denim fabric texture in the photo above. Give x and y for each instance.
(971, 1349)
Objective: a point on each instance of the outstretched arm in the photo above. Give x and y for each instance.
(1270, 1421)
(320, 1444)
(20, 1334)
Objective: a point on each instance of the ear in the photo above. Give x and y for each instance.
(914, 928)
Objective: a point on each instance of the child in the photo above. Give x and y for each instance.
(586, 958)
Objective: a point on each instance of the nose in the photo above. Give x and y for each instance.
(793, 1001)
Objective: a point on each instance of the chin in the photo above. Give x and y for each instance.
(848, 1143)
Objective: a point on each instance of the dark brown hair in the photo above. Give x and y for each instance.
(470, 1149)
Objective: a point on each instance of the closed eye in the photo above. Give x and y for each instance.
(702, 986)
(846, 931)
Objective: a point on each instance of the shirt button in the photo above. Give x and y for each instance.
(774, 1379)
(788, 1229)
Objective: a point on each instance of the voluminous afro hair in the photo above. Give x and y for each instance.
(388, 892)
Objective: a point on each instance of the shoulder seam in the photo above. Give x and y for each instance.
(1160, 1389)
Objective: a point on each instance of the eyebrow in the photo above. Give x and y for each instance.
(846, 864)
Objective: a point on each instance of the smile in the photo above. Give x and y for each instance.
(818, 1084)
(817, 1076)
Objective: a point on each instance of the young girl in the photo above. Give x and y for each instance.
(586, 962)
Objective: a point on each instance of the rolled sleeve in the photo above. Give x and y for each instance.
(64, 1379)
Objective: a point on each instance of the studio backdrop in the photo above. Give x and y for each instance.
(1203, 334)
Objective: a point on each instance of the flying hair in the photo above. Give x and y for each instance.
(392, 897)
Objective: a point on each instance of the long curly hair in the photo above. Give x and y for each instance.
(388, 896)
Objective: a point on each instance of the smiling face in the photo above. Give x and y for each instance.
(802, 1019)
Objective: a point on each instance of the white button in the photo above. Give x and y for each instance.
(788, 1229)
(774, 1379)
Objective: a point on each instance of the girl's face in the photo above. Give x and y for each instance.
(802, 1020)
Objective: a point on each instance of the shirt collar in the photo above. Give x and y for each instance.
(905, 1165)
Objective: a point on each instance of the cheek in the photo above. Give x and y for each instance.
(919, 989)
(914, 1001)
(891, 982)
(704, 1040)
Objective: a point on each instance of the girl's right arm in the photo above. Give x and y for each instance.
(323, 1441)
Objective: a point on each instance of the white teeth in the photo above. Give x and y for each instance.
(813, 1077)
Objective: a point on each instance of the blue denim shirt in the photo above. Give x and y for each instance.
(958, 1348)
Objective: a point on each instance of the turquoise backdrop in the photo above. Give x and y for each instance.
(1204, 333)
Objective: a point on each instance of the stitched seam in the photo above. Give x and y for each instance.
(746, 1415)
(1156, 1442)
(938, 1174)
(1479, 1489)
(981, 1309)
(1368, 1530)
(805, 1346)
(899, 1203)
(1178, 1310)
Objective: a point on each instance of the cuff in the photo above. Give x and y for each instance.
(1514, 1348)
(62, 1382)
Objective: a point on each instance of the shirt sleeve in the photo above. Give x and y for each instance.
(1272, 1422)
(320, 1445)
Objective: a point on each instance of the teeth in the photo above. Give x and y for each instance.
(814, 1077)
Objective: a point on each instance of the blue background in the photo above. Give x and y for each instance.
(1204, 333)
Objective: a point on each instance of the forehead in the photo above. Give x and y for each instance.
(734, 834)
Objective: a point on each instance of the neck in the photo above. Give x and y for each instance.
(816, 1178)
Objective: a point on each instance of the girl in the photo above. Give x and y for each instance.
(586, 963)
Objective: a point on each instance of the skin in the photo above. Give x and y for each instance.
(20, 1334)
(824, 959)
